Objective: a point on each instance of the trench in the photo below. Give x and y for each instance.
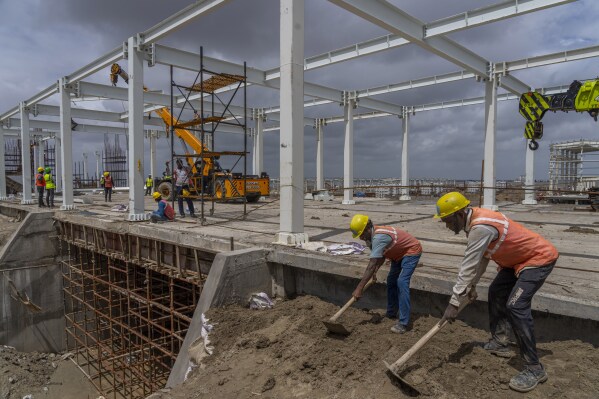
(126, 298)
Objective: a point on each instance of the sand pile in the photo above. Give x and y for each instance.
(285, 352)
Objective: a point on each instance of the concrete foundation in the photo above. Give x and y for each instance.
(29, 264)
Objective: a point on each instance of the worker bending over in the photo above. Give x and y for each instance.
(40, 185)
(525, 260)
(404, 251)
(165, 211)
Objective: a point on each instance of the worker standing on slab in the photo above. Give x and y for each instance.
(181, 177)
(525, 260)
(40, 185)
(165, 211)
(149, 185)
(404, 251)
(108, 184)
(50, 187)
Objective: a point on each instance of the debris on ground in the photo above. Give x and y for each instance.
(285, 352)
(41, 375)
(582, 230)
(351, 248)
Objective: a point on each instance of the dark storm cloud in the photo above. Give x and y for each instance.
(43, 40)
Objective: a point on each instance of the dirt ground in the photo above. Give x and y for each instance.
(285, 352)
(41, 375)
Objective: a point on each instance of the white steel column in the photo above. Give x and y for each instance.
(405, 175)
(319, 154)
(153, 138)
(490, 133)
(58, 164)
(98, 172)
(85, 166)
(348, 150)
(136, 131)
(292, 123)
(529, 182)
(25, 154)
(66, 146)
(258, 150)
(2, 168)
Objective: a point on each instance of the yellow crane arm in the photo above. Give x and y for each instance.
(188, 137)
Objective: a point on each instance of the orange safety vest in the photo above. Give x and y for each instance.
(403, 244)
(39, 180)
(516, 247)
(107, 182)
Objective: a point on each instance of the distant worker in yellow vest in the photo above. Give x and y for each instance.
(50, 187)
(149, 185)
(525, 260)
(404, 251)
(40, 185)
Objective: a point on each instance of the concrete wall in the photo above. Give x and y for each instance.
(30, 260)
(233, 277)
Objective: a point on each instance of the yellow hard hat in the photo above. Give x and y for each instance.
(358, 224)
(185, 193)
(40, 169)
(450, 203)
(106, 173)
(156, 195)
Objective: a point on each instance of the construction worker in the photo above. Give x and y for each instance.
(181, 177)
(525, 260)
(404, 251)
(165, 211)
(149, 185)
(108, 184)
(40, 184)
(50, 187)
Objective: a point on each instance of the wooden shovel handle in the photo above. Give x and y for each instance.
(349, 303)
(397, 365)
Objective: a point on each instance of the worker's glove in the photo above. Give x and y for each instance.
(451, 312)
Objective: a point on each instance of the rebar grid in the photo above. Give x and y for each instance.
(124, 322)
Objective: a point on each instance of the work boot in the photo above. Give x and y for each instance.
(498, 349)
(182, 216)
(529, 378)
(193, 215)
(399, 328)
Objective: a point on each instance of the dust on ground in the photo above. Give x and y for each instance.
(41, 375)
(581, 230)
(285, 352)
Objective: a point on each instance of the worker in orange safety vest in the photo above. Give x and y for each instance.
(40, 185)
(525, 259)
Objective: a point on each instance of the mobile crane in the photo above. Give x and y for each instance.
(219, 183)
(580, 97)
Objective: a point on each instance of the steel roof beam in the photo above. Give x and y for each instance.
(190, 61)
(389, 17)
(469, 19)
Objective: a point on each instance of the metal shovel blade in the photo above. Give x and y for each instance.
(336, 328)
(400, 380)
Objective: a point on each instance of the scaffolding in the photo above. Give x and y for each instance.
(129, 301)
(217, 185)
(573, 166)
(114, 160)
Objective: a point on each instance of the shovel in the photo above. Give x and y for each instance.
(396, 367)
(338, 328)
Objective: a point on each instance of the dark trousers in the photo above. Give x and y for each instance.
(509, 302)
(398, 287)
(50, 196)
(40, 196)
(148, 190)
(180, 200)
(108, 194)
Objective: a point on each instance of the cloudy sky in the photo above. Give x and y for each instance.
(44, 40)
